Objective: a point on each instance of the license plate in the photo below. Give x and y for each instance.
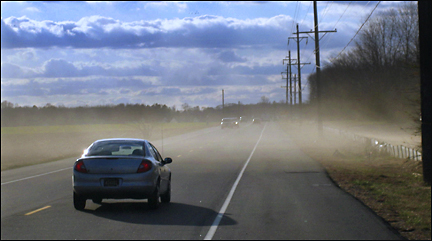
(111, 182)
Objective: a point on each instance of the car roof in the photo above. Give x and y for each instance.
(122, 139)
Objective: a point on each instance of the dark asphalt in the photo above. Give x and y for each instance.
(283, 194)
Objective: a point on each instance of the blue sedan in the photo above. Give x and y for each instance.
(121, 168)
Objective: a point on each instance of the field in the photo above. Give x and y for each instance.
(29, 145)
(392, 187)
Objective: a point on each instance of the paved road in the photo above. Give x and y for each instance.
(246, 183)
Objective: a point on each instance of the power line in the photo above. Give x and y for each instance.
(328, 39)
(295, 16)
(358, 30)
(327, 10)
(314, 67)
(306, 13)
(342, 14)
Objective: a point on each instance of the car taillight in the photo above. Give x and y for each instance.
(80, 167)
(144, 166)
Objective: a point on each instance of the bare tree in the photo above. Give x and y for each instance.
(380, 74)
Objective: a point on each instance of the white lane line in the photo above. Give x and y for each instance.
(43, 174)
(218, 218)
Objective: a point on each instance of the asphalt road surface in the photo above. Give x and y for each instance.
(246, 183)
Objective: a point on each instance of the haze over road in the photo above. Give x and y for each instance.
(282, 194)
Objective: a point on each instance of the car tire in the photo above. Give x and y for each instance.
(153, 200)
(166, 197)
(79, 201)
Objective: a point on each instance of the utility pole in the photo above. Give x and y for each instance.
(286, 86)
(318, 69)
(425, 24)
(295, 89)
(318, 65)
(223, 104)
(299, 39)
(289, 74)
(290, 77)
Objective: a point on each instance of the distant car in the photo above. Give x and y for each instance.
(243, 119)
(121, 168)
(256, 121)
(231, 122)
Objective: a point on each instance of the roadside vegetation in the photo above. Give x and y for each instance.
(379, 77)
(393, 188)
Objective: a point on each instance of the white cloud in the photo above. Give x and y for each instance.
(32, 9)
(172, 60)
(98, 32)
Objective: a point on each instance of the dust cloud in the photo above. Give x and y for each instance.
(29, 144)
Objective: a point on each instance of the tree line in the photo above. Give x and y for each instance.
(15, 115)
(379, 77)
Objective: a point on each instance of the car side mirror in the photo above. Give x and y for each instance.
(167, 160)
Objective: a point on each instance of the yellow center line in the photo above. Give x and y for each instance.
(179, 156)
(37, 210)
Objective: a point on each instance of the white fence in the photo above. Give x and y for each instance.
(397, 151)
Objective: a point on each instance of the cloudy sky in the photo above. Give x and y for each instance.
(98, 53)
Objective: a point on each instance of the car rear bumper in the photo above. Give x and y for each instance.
(229, 125)
(137, 186)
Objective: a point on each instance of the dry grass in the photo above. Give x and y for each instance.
(23, 146)
(392, 187)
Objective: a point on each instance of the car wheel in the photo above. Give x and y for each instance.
(97, 200)
(153, 200)
(166, 197)
(79, 201)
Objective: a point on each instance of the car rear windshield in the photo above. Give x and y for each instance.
(117, 148)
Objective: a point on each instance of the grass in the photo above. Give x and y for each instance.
(29, 145)
(393, 188)
(29, 130)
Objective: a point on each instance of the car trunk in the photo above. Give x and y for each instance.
(112, 165)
